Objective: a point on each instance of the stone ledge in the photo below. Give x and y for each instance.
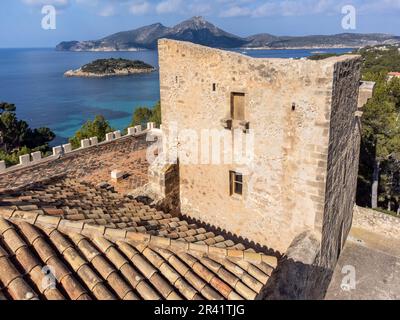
(377, 222)
(56, 156)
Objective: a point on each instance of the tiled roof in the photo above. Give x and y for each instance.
(83, 202)
(97, 262)
(93, 164)
(102, 244)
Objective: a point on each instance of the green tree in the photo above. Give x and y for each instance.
(142, 115)
(156, 114)
(99, 127)
(14, 131)
(381, 136)
(16, 138)
(4, 106)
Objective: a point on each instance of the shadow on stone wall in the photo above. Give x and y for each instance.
(298, 275)
(230, 236)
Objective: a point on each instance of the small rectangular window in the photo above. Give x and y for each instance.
(214, 87)
(236, 183)
(237, 106)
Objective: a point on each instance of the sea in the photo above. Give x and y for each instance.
(33, 79)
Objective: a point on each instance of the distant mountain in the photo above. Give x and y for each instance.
(200, 31)
(322, 41)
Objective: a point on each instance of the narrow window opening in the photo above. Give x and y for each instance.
(293, 106)
(237, 106)
(236, 183)
(176, 79)
(214, 87)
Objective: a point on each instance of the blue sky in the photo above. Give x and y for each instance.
(20, 20)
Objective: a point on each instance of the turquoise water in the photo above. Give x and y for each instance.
(33, 80)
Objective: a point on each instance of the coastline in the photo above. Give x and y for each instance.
(299, 48)
(118, 73)
(239, 48)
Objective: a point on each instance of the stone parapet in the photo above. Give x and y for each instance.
(377, 222)
(36, 156)
(366, 92)
(57, 151)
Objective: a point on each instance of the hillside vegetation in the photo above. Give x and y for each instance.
(17, 138)
(379, 176)
(379, 172)
(109, 66)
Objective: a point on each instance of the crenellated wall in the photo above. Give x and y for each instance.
(90, 157)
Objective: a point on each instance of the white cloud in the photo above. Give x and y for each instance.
(139, 8)
(169, 6)
(265, 10)
(258, 9)
(200, 8)
(225, 8)
(236, 11)
(379, 6)
(57, 3)
(107, 11)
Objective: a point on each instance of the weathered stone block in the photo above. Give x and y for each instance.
(36, 156)
(117, 134)
(94, 141)
(109, 136)
(131, 131)
(2, 165)
(67, 147)
(151, 125)
(25, 159)
(85, 143)
(117, 175)
(366, 92)
(57, 150)
(138, 129)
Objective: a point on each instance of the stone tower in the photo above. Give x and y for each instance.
(299, 123)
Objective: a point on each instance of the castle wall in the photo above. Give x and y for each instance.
(93, 163)
(343, 160)
(284, 187)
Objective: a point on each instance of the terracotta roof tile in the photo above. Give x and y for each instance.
(84, 205)
(114, 261)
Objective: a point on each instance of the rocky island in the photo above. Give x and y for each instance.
(111, 67)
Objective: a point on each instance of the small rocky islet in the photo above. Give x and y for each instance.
(110, 68)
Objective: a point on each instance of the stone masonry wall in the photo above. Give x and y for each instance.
(284, 187)
(343, 159)
(377, 222)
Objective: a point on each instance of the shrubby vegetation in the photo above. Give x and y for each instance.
(379, 176)
(321, 56)
(99, 127)
(17, 138)
(379, 172)
(143, 115)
